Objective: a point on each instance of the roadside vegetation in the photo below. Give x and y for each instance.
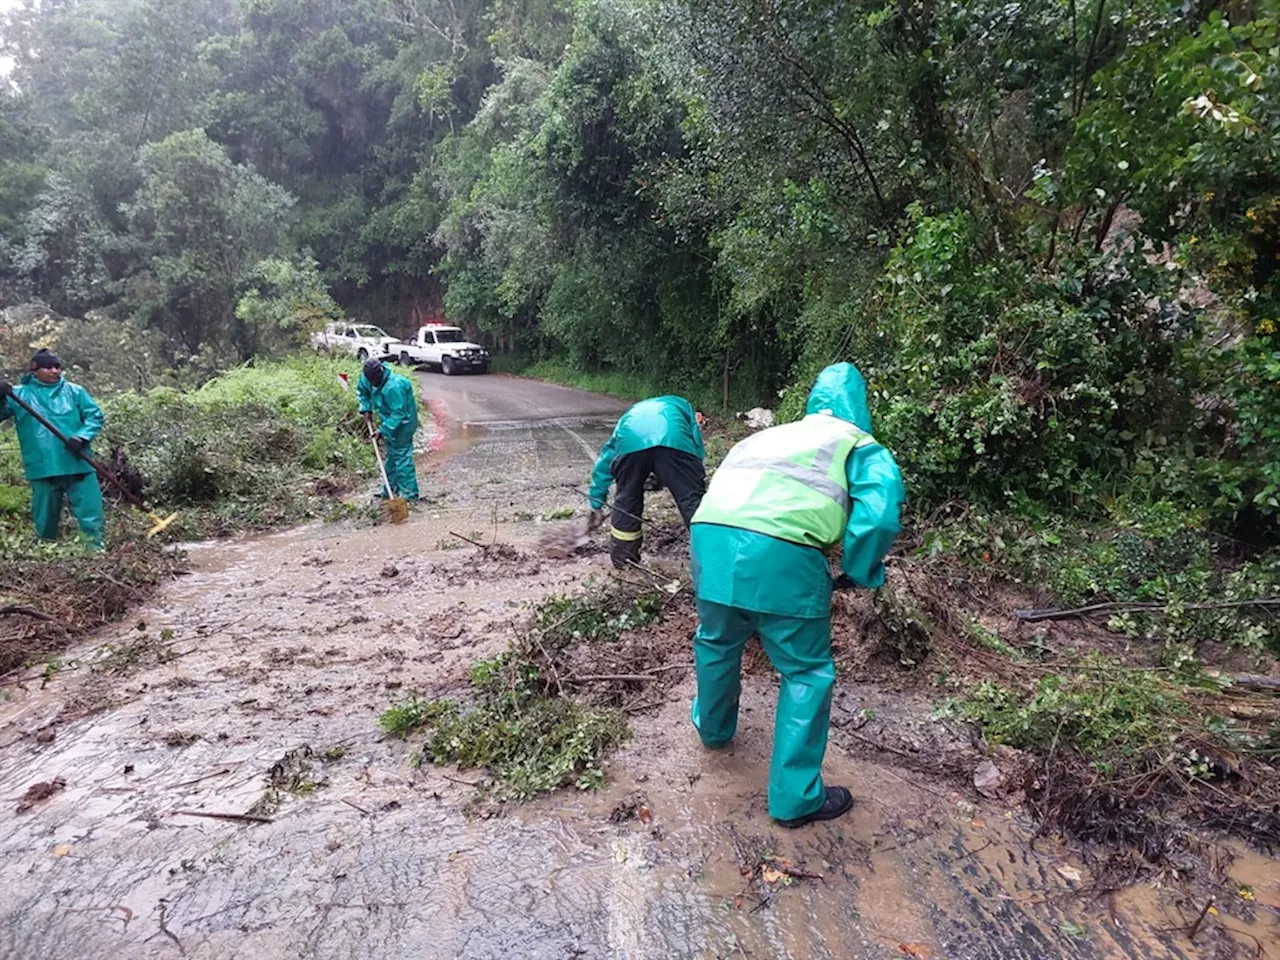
(257, 447)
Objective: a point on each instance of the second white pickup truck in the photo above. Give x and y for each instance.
(445, 347)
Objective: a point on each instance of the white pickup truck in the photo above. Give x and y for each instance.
(361, 340)
(445, 347)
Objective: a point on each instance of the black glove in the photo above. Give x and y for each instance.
(75, 444)
(6, 388)
(842, 582)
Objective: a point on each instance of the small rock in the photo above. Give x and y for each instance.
(988, 780)
(46, 735)
(390, 570)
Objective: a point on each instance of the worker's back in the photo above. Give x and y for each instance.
(659, 422)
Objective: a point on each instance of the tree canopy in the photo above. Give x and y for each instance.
(1046, 230)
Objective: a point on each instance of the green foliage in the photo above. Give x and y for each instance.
(1103, 709)
(247, 448)
(600, 616)
(531, 743)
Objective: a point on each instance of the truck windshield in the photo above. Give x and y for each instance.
(450, 336)
(367, 330)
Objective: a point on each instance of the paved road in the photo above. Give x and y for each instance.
(496, 399)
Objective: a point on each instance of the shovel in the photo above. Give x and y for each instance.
(397, 507)
(159, 521)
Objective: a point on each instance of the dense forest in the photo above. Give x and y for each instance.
(1047, 230)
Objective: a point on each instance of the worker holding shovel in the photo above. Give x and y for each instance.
(54, 465)
(390, 396)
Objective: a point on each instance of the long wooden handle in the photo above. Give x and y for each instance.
(98, 468)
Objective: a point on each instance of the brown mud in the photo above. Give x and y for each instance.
(226, 791)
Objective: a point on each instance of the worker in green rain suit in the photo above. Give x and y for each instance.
(391, 397)
(780, 498)
(658, 437)
(52, 468)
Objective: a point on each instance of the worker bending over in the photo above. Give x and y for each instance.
(659, 436)
(53, 468)
(779, 499)
(391, 396)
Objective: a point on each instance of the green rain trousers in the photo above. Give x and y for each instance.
(397, 409)
(800, 649)
(85, 496)
(400, 469)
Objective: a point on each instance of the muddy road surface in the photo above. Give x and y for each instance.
(253, 686)
(497, 398)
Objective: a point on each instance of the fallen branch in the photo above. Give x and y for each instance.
(236, 817)
(1031, 616)
(29, 612)
(643, 675)
(1257, 682)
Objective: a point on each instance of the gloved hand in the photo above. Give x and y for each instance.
(75, 444)
(843, 582)
(6, 388)
(594, 519)
(367, 416)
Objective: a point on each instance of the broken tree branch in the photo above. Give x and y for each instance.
(1256, 682)
(1031, 616)
(28, 612)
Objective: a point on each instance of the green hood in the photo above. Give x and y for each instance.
(841, 391)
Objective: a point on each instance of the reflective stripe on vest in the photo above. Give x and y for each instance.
(788, 482)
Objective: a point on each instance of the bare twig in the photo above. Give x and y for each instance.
(642, 675)
(1195, 927)
(354, 805)
(474, 543)
(465, 783)
(1032, 616)
(207, 776)
(235, 817)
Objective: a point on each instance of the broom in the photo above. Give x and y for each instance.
(397, 507)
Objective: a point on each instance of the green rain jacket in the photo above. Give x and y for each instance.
(657, 422)
(754, 571)
(68, 407)
(394, 403)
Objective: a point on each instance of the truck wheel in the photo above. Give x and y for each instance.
(362, 354)
(405, 359)
(447, 366)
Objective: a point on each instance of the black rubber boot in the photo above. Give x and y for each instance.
(625, 553)
(837, 803)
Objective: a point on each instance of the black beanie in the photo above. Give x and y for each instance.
(374, 371)
(43, 359)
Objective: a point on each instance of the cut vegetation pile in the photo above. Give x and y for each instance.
(546, 713)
